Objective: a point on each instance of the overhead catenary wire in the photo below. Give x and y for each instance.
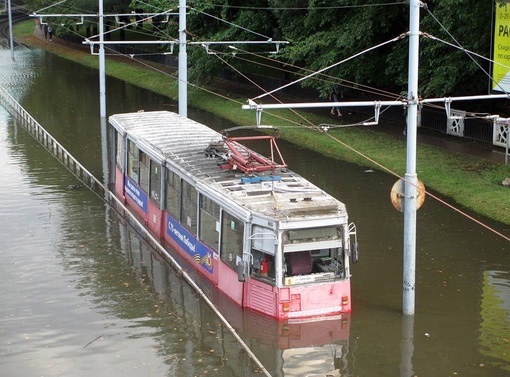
(231, 23)
(350, 148)
(431, 195)
(463, 213)
(470, 54)
(321, 127)
(403, 178)
(320, 72)
(331, 66)
(330, 78)
(310, 7)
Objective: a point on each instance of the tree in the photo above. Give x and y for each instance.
(323, 33)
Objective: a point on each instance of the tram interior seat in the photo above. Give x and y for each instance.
(300, 262)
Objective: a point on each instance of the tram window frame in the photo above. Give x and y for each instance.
(155, 182)
(209, 220)
(119, 144)
(173, 193)
(189, 207)
(263, 251)
(323, 259)
(133, 161)
(144, 168)
(263, 267)
(232, 239)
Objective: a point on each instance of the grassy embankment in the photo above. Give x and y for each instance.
(471, 182)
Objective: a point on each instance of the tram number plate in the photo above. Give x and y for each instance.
(301, 279)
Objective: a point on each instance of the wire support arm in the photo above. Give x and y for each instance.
(231, 44)
(465, 98)
(252, 105)
(93, 43)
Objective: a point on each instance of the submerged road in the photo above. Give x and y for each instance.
(75, 276)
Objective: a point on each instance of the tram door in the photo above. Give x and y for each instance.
(231, 254)
(264, 243)
(260, 293)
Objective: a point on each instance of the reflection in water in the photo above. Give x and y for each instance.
(407, 346)
(67, 280)
(132, 308)
(285, 348)
(495, 325)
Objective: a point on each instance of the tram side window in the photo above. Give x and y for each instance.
(144, 171)
(263, 265)
(209, 222)
(189, 207)
(119, 151)
(232, 234)
(173, 183)
(155, 182)
(263, 248)
(132, 161)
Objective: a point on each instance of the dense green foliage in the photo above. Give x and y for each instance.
(325, 32)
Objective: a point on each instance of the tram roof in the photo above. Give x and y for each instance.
(182, 143)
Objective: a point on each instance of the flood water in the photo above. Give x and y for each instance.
(82, 295)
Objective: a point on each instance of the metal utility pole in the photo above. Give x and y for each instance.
(413, 191)
(102, 64)
(183, 61)
(411, 179)
(183, 58)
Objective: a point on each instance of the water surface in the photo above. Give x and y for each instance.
(83, 295)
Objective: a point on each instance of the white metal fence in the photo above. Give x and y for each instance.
(59, 152)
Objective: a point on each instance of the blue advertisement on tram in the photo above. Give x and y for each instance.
(135, 193)
(187, 241)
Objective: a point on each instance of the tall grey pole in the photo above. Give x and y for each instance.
(183, 61)
(102, 73)
(411, 179)
(9, 10)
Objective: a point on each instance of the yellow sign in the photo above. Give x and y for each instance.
(501, 50)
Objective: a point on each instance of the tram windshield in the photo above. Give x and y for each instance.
(313, 255)
(309, 255)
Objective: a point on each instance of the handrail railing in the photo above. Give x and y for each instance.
(89, 180)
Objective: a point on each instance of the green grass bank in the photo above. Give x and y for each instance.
(461, 180)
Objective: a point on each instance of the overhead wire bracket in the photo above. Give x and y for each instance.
(447, 106)
(258, 108)
(377, 111)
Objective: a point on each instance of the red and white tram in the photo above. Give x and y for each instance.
(265, 236)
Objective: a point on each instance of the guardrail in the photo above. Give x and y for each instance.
(50, 144)
(61, 154)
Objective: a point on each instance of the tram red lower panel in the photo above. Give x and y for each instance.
(300, 301)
